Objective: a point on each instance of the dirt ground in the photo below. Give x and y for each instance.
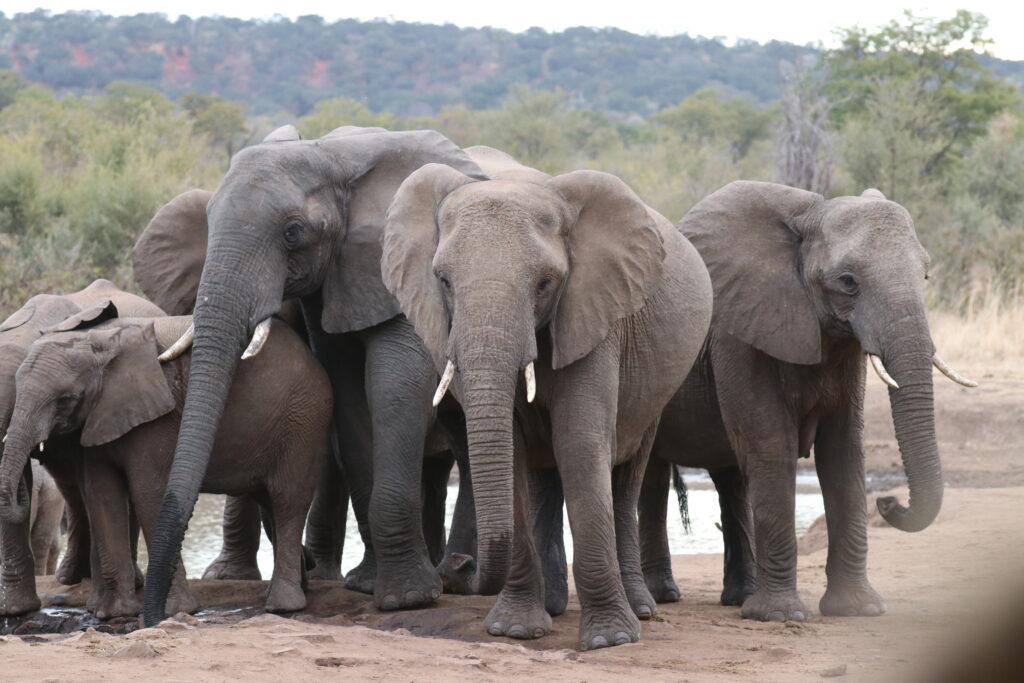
(949, 590)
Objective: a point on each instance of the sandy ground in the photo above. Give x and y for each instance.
(948, 590)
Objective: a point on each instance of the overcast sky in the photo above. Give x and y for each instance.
(797, 22)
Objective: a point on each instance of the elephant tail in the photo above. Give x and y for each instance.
(681, 494)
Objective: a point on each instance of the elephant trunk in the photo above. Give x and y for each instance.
(228, 309)
(909, 361)
(25, 432)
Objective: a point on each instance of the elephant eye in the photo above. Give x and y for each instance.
(444, 282)
(545, 284)
(292, 231)
(848, 283)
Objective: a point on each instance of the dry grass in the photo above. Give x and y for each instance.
(984, 332)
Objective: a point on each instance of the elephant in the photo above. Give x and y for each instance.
(44, 520)
(804, 288)
(109, 387)
(301, 219)
(601, 305)
(17, 333)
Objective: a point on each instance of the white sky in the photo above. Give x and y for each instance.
(798, 22)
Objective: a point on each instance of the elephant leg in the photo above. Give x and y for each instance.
(325, 526)
(436, 471)
(763, 432)
(241, 532)
(738, 535)
(345, 362)
(519, 611)
(74, 566)
(839, 460)
(400, 382)
(652, 510)
(46, 530)
(17, 575)
(114, 578)
(457, 567)
(134, 528)
(626, 480)
(583, 427)
(546, 503)
(288, 515)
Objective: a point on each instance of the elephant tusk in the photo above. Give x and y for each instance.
(41, 444)
(259, 338)
(442, 386)
(531, 383)
(951, 373)
(876, 363)
(179, 347)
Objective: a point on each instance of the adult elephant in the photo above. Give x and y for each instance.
(17, 333)
(603, 305)
(298, 218)
(804, 288)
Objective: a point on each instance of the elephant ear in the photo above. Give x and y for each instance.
(19, 317)
(374, 166)
(342, 131)
(749, 235)
(89, 317)
(168, 257)
(409, 242)
(500, 166)
(872, 193)
(286, 133)
(134, 390)
(616, 254)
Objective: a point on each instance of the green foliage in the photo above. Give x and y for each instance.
(10, 84)
(709, 116)
(343, 111)
(222, 122)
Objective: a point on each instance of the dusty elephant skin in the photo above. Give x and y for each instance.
(301, 219)
(574, 285)
(804, 288)
(17, 333)
(105, 384)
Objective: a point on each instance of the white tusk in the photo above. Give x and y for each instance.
(4, 439)
(876, 363)
(951, 373)
(259, 338)
(41, 443)
(181, 346)
(446, 379)
(531, 383)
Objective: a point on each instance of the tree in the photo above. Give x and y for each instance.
(709, 116)
(221, 121)
(803, 141)
(11, 83)
(342, 111)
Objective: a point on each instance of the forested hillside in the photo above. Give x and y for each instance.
(408, 69)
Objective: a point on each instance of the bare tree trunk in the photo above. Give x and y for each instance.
(803, 143)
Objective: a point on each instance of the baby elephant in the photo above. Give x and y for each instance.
(106, 384)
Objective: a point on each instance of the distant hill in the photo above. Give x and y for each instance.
(408, 69)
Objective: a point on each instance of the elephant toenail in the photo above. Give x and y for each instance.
(599, 641)
(799, 616)
(495, 629)
(776, 616)
(517, 631)
(538, 632)
(434, 594)
(413, 598)
(871, 610)
(389, 602)
(643, 611)
(621, 638)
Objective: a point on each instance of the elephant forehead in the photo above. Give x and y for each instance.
(504, 203)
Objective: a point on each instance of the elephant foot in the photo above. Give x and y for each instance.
(72, 570)
(662, 587)
(764, 606)
(608, 626)
(325, 569)
(227, 568)
(285, 596)
(640, 599)
(556, 597)
(180, 600)
(112, 605)
(407, 585)
(457, 571)
(734, 594)
(362, 577)
(518, 615)
(18, 599)
(851, 600)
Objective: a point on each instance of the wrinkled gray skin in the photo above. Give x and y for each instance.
(301, 219)
(104, 385)
(804, 287)
(577, 276)
(44, 520)
(17, 333)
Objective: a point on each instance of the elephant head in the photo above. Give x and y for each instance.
(789, 267)
(102, 380)
(485, 269)
(292, 218)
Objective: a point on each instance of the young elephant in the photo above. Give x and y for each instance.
(44, 521)
(105, 384)
(573, 281)
(804, 288)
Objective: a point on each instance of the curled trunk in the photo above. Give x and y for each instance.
(14, 495)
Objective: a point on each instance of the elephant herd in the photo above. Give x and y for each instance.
(347, 317)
